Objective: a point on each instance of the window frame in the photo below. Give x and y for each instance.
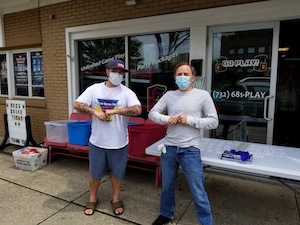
(7, 74)
(11, 73)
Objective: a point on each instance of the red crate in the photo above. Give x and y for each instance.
(143, 135)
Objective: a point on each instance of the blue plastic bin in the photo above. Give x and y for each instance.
(79, 132)
(132, 123)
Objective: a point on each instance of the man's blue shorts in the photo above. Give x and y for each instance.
(101, 159)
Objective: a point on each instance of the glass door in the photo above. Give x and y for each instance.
(287, 107)
(242, 62)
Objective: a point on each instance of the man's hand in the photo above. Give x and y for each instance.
(101, 115)
(172, 120)
(181, 119)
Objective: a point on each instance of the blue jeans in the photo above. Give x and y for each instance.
(190, 161)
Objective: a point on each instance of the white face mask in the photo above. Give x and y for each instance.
(115, 78)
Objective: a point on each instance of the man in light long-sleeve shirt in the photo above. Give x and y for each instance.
(186, 111)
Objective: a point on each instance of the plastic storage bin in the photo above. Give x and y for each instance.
(30, 161)
(132, 123)
(142, 136)
(57, 131)
(79, 132)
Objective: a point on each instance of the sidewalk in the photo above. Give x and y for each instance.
(57, 193)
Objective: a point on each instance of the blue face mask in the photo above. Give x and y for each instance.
(183, 82)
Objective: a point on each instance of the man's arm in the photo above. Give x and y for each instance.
(81, 107)
(135, 110)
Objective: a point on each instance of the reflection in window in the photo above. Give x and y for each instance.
(94, 55)
(223, 62)
(231, 53)
(152, 63)
(3, 75)
(262, 49)
(251, 50)
(240, 52)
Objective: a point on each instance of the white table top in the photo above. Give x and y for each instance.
(270, 160)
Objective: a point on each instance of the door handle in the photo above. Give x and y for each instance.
(265, 107)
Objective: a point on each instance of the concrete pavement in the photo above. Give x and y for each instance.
(57, 193)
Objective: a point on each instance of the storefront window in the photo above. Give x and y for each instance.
(23, 74)
(94, 55)
(152, 61)
(3, 75)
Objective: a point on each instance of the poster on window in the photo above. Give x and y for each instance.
(16, 113)
(21, 73)
(37, 72)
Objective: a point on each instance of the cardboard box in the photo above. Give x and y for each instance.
(57, 131)
(31, 161)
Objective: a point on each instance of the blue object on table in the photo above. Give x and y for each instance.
(244, 155)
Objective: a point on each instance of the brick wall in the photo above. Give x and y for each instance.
(35, 27)
(22, 28)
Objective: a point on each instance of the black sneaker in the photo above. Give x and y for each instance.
(161, 220)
